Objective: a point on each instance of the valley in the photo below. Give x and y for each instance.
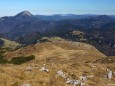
(26, 28)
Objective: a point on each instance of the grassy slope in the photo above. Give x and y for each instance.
(10, 44)
(74, 59)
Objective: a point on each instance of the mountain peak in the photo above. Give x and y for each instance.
(24, 13)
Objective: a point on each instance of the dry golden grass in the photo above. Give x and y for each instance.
(10, 44)
(77, 32)
(62, 49)
(52, 38)
(75, 59)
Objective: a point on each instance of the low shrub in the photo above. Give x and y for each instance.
(2, 60)
(22, 59)
(16, 60)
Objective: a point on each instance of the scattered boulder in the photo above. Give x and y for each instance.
(83, 78)
(25, 84)
(73, 82)
(29, 68)
(82, 84)
(44, 69)
(109, 74)
(61, 73)
(114, 73)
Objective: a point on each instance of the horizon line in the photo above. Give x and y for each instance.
(51, 14)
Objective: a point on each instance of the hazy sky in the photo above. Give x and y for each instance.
(12, 7)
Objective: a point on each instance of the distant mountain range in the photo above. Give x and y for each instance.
(26, 28)
(9, 23)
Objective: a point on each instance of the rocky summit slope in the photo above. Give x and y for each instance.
(59, 63)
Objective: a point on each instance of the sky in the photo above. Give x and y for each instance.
(48, 7)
